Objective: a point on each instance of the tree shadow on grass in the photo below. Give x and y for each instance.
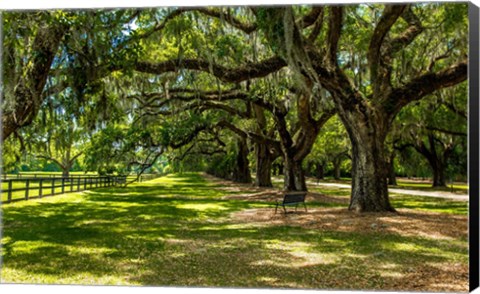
(275, 257)
(174, 236)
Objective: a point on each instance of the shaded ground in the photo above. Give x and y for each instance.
(437, 194)
(405, 223)
(441, 276)
(190, 230)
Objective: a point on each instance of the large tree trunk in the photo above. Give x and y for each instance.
(263, 176)
(27, 96)
(392, 178)
(280, 168)
(439, 175)
(369, 180)
(319, 171)
(66, 172)
(242, 171)
(438, 169)
(336, 168)
(367, 132)
(67, 163)
(294, 175)
(436, 163)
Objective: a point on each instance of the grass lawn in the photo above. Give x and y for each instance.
(189, 230)
(457, 187)
(34, 188)
(399, 201)
(402, 183)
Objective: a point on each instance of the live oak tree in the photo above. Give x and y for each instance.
(305, 130)
(436, 128)
(312, 46)
(56, 135)
(369, 61)
(331, 147)
(368, 114)
(49, 52)
(31, 42)
(225, 111)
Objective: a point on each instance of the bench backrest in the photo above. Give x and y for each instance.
(294, 197)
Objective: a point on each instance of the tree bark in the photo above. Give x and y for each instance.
(437, 163)
(280, 169)
(319, 171)
(392, 178)
(295, 148)
(264, 156)
(242, 171)
(367, 130)
(263, 177)
(28, 92)
(336, 168)
(439, 175)
(294, 175)
(66, 172)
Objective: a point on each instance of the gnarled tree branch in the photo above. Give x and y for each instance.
(232, 75)
(425, 84)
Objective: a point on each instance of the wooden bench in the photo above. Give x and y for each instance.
(292, 198)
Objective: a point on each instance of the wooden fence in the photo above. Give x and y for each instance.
(43, 175)
(41, 187)
(148, 177)
(143, 177)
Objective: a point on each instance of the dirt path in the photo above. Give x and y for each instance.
(436, 194)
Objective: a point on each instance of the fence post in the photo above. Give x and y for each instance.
(27, 185)
(40, 192)
(63, 185)
(71, 184)
(9, 191)
(85, 184)
(53, 186)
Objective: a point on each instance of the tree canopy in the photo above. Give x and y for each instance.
(236, 90)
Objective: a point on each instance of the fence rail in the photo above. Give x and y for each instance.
(42, 187)
(43, 175)
(24, 176)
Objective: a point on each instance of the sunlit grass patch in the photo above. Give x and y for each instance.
(429, 204)
(179, 231)
(455, 187)
(331, 191)
(424, 203)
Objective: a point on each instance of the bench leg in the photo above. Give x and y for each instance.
(284, 209)
(276, 206)
(305, 207)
